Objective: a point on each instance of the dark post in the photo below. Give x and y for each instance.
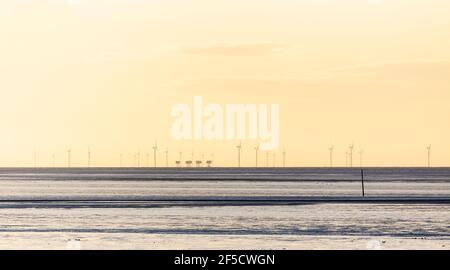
(362, 182)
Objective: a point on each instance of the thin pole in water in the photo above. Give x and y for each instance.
(362, 182)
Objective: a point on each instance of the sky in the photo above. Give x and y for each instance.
(105, 74)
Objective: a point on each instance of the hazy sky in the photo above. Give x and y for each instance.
(106, 73)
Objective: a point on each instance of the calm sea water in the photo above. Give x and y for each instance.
(25, 223)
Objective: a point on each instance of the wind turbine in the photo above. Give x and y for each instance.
(284, 158)
(429, 155)
(89, 157)
(239, 148)
(139, 159)
(155, 149)
(351, 147)
(35, 159)
(256, 152)
(331, 149)
(167, 157)
(69, 158)
(361, 152)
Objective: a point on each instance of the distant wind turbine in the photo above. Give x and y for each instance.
(351, 147)
(239, 148)
(256, 155)
(35, 159)
(167, 157)
(429, 155)
(89, 157)
(139, 159)
(69, 158)
(361, 152)
(331, 155)
(155, 149)
(284, 158)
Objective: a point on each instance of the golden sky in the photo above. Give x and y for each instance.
(106, 73)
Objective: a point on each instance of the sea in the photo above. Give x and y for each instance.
(224, 208)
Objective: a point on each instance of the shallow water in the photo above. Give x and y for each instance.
(308, 226)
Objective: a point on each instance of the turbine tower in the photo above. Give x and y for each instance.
(284, 158)
(429, 155)
(331, 149)
(239, 148)
(155, 149)
(256, 153)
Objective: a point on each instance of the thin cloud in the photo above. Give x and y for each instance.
(236, 49)
(399, 70)
(414, 64)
